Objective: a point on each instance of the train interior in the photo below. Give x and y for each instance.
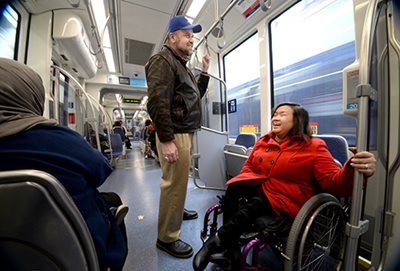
(329, 55)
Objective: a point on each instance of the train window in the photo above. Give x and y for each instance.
(63, 99)
(242, 76)
(9, 25)
(311, 43)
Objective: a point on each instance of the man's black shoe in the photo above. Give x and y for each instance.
(188, 214)
(177, 249)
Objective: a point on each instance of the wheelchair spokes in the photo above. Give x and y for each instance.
(315, 242)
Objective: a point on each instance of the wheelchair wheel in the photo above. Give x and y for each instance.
(316, 239)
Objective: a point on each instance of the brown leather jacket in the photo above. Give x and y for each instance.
(174, 95)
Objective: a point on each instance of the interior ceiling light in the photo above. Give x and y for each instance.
(195, 8)
(101, 21)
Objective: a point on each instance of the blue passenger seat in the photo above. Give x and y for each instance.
(40, 226)
(247, 140)
(337, 146)
(117, 149)
(116, 145)
(121, 132)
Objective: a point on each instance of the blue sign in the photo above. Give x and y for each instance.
(138, 82)
(232, 106)
(353, 106)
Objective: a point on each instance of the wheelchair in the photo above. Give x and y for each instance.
(314, 240)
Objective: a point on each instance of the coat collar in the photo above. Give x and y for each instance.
(181, 59)
(270, 137)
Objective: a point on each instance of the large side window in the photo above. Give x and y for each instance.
(63, 102)
(242, 76)
(311, 44)
(9, 27)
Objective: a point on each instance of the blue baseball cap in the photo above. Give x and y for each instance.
(181, 23)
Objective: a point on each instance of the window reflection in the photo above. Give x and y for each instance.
(311, 44)
(9, 21)
(242, 76)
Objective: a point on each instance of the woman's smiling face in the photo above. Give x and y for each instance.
(282, 122)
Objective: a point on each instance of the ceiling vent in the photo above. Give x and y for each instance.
(137, 52)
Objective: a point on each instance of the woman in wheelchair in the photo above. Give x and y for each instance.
(279, 177)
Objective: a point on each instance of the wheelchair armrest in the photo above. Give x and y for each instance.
(237, 149)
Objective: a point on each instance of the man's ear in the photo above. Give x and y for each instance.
(172, 37)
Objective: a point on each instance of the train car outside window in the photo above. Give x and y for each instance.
(242, 76)
(63, 100)
(311, 43)
(9, 25)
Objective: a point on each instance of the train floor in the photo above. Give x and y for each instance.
(137, 181)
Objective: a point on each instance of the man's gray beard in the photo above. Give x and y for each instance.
(188, 56)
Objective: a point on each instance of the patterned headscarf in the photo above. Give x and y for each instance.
(21, 98)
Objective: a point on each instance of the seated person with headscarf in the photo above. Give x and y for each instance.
(278, 178)
(30, 141)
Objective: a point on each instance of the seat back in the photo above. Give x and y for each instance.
(235, 157)
(120, 131)
(337, 146)
(40, 226)
(236, 154)
(116, 144)
(247, 140)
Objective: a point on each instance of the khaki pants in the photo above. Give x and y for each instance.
(173, 188)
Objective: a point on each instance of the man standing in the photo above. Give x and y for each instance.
(175, 107)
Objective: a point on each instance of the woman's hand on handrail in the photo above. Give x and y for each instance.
(364, 162)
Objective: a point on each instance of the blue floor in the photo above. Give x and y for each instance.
(137, 181)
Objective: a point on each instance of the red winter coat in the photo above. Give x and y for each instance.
(287, 172)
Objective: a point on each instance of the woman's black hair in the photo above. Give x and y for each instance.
(301, 121)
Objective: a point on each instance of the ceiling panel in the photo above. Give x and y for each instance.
(137, 52)
(165, 6)
(40, 6)
(137, 15)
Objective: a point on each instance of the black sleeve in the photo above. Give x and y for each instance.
(202, 84)
(160, 88)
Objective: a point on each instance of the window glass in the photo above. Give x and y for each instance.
(63, 102)
(9, 22)
(242, 76)
(311, 44)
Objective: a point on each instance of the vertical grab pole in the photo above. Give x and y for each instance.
(355, 227)
(225, 94)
